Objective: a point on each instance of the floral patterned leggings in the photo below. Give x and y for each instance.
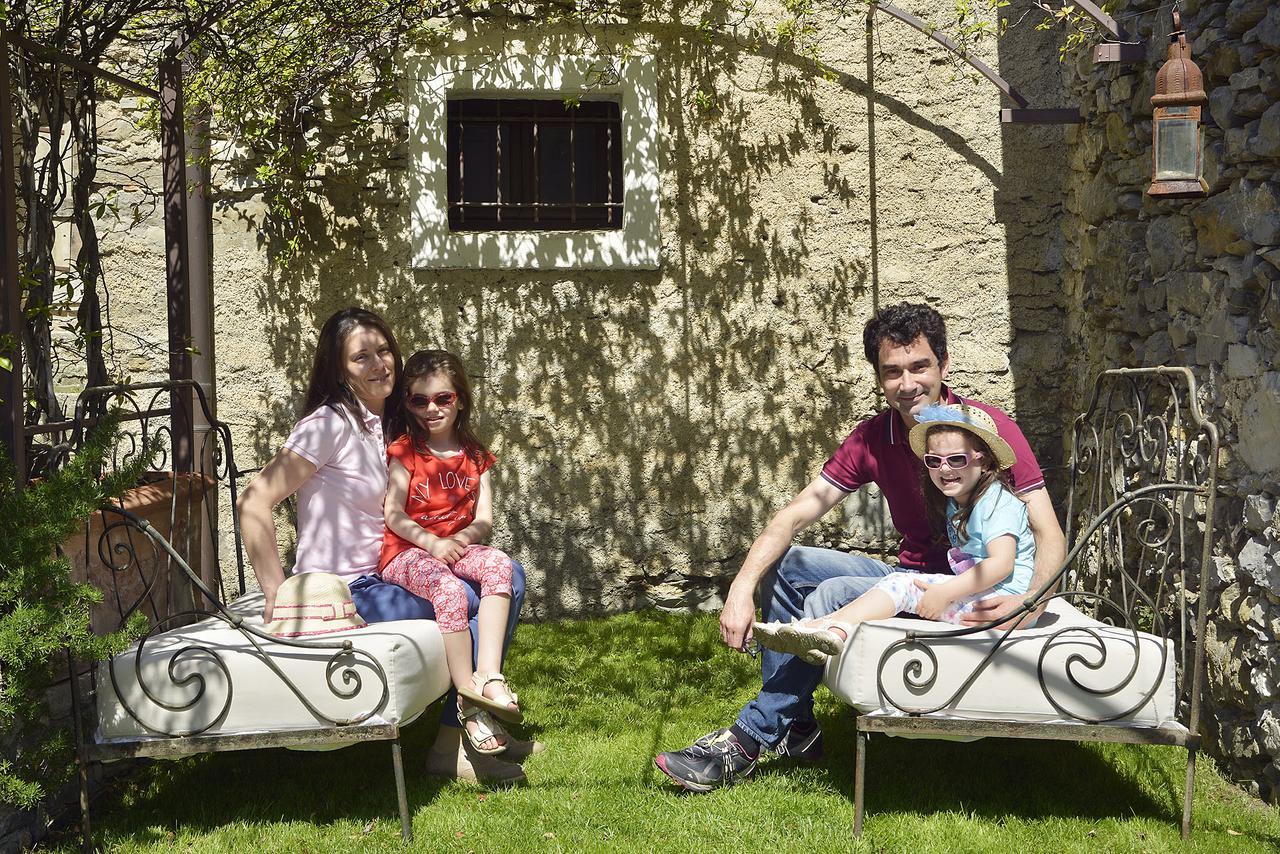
(425, 575)
(901, 588)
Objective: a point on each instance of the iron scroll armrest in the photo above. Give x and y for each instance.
(343, 657)
(920, 669)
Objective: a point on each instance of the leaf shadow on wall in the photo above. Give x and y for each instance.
(648, 422)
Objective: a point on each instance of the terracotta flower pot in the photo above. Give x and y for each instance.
(132, 573)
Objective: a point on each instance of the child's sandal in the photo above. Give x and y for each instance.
(778, 637)
(819, 636)
(511, 711)
(485, 728)
(475, 695)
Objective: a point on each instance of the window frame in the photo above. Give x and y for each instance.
(431, 80)
(520, 123)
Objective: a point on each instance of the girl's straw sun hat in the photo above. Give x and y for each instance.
(313, 603)
(964, 417)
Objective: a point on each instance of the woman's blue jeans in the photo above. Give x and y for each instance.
(806, 583)
(380, 601)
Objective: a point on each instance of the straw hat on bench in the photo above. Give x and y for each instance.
(313, 603)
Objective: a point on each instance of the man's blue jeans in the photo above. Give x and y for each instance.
(807, 582)
(380, 601)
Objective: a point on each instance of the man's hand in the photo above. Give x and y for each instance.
(447, 550)
(997, 607)
(736, 617)
(934, 601)
(739, 610)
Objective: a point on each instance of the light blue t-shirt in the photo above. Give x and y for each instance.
(999, 512)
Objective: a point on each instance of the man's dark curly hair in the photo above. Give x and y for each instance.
(902, 324)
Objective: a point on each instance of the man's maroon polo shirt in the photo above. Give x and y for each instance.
(877, 451)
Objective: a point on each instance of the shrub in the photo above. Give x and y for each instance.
(44, 612)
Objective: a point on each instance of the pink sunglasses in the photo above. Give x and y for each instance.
(953, 461)
(441, 399)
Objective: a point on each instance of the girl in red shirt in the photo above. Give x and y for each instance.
(438, 510)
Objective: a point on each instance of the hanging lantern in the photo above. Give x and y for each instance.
(1175, 127)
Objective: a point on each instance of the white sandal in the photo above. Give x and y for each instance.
(820, 637)
(475, 694)
(770, 636)
(480, 681)
(811, 644)
(485, 728)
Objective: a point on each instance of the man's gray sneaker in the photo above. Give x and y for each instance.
(716, 759)
(801, 747)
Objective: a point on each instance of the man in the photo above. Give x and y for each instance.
(906, 345)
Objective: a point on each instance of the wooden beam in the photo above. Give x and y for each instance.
(173, 156)
(1122, 52)
(1108, 23)
(161, 747)
(41, 51)
(1042, 116)
(946, 727)
(12, 398)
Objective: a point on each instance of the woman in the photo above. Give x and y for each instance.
(335, 462)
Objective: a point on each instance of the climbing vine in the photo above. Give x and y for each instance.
(258, 72)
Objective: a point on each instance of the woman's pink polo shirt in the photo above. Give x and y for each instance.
(340, 507)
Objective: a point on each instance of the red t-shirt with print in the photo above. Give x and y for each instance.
(442, 492)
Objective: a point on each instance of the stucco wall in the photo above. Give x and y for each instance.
(649, 422)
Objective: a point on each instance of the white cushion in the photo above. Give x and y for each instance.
(248, 697)
(1008, 688)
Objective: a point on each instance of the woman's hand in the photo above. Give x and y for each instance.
(268, 600)
(447, 550)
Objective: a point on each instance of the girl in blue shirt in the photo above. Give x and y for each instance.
(993, 552)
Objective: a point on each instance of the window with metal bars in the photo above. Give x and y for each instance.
(521, 164)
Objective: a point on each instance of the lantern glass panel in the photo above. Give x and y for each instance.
(1177, 148)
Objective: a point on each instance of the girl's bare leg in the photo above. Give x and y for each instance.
(872, 605)
(457, 654)
(492, 624)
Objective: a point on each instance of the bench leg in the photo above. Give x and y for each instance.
(1187, 797)
(397, 765)
(86, 833)
(82, 756)
(859, 780)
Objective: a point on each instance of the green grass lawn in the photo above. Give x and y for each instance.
(606, 695)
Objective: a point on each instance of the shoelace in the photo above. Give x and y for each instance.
(705, 742)
(727, 774)
(803, 742)
(730, 775)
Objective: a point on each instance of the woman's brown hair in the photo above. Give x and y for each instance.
(935, 503)
(328, 386)
(424, 363)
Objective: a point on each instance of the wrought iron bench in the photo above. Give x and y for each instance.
(204, 677)
(1118, 655)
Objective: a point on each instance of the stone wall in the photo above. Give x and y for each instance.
(1195, 283)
